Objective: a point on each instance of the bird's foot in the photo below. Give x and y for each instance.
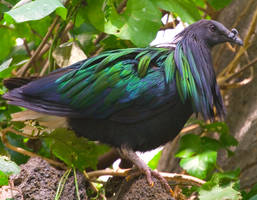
(143, 168)
(149, 174)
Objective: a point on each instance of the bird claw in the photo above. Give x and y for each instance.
(149, 173)
(163, 181)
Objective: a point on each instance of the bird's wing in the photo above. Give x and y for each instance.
(121, 85)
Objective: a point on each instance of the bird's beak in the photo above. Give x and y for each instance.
(234, 38)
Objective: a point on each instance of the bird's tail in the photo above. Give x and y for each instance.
(12, 83)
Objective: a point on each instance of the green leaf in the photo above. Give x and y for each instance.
(220, 193)
(113, 42)
(74, 151)
(226, 140)
(35, 10)
(219, 127)
(3, 178)
(219, 4)
(7, 41)
(5, 65)
(17, 141)
(199, 165)
(188, 146)
(8, 167)
(139, 22)
(155, 160)
(199, 154)
(222, 179)
(185, 9)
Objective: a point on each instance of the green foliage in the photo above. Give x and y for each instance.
(7, 40)
(35, 10)
(225, 140)
(3, 178)
(221, 193)
(18, 141)
(153, 164)
(4, 66)
(219, 4)
(199, 153)
(74, 151)
(222, 179)
(7, 168)
(139, 22)
(185, 9)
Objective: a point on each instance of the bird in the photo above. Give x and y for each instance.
(133, 99)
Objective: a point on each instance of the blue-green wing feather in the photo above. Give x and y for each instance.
(122, 78)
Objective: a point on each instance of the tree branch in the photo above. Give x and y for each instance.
(179, 178)
(23, 151)
(25, 67)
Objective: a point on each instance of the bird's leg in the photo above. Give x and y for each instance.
(129, 154)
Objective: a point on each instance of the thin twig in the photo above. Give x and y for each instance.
(25, 44)
(25, 152)
(169, 25)
(44, 69)
(179, 178)
(92, 185)
(122, 6)
(189, 128)
(6, 3)
(5, 26)
(100, 37)
(235, 74)
(25, 67)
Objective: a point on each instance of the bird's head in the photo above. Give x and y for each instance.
(211, 33)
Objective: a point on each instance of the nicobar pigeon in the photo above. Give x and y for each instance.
(134, 99)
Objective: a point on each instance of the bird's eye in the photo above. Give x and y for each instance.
(212, 28)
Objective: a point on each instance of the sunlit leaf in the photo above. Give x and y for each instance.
(3, 178)
(185, 9)
(139, 22)
(5, 65)
(222, 179)
(7, 42)
(199, 154)
(155, 160)
(226, 140)
(220, 193)
(35, 10)
(200, 164)
(8, 167)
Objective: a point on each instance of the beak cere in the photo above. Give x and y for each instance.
(233, 36)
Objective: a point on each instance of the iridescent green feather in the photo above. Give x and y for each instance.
(143, 65)
(112, 57)
(185, 80)
(169, 67)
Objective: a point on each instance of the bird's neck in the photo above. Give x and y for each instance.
(201, 86)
